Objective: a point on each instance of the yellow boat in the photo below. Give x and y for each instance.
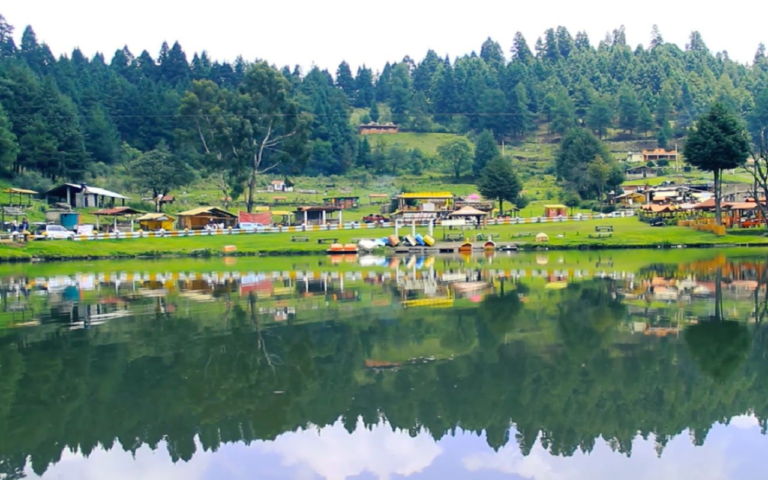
(466, 247)
(429, 240)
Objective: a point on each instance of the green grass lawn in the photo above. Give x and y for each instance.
(628, 232)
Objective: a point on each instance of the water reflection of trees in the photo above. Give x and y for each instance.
(568, 379)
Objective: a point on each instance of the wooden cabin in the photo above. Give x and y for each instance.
(553, 211)
(198, 218)
(156, 221)
(377, 128)
(342, 203)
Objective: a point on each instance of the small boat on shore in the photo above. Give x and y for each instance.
(339, 249)
(466, 247)
(429, 241)
(490, 245)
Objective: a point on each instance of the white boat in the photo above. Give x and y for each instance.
(367, 245)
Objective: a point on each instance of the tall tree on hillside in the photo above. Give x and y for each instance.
(492, 54)
(7, 45)
(9, 147)
(564, 114)
(365, 92)
(173, 65)
(498, 181)
(446, 98)
(424, 74)
(400, 102)
(159, 171)
(645, 120)
(629, 109)
(374, 112)
(485, 151)
(600, 116)
(716, 143)
(384, 84)
(578, 150)
(457, 154)
(256, 131)
(345, 81)
(520, 50)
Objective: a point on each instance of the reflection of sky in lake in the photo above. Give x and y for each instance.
(732, 452)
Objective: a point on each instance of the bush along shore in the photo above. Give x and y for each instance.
(624, 233)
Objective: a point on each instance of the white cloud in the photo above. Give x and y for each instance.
(117, 464)
(681, 460)
(744, 422)
(333, 454)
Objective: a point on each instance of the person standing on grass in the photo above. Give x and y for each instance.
(24, 225)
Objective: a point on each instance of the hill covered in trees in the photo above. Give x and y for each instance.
(78, 118)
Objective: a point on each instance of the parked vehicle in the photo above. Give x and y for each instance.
(250, 226)
(375, 218)
(55, 232)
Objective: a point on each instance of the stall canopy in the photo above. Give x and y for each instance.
(21, 192)
(115, 213)
(468, 212)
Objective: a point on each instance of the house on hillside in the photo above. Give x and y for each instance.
(342, 202)
(374, 128)
(660, 154)
(279, 186)
(84, 196)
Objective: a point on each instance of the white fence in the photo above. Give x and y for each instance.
(333, 227)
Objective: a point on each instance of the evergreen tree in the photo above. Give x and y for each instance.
(499, 182)
(564, 114)
(384, 84)
(446, 97)
(9, 148)
(520, 51)
(492, 54)
(365, 92)
(374, 112)
(600, 116)
(717, 143)
(420, 120)
(364, 154)
(457, 154)
(400, 101)
(423, 75)
(629, 109)
(645, 119)
(485, 151)
(345, 81)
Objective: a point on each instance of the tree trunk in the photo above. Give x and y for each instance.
(718, 218)
(251, 186)
(501, 206)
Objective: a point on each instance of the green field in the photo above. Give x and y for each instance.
(628, 232)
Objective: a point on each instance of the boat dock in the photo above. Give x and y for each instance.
(449, 247)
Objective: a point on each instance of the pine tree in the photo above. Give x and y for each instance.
(9, 147)
(629, 109)
(645, 120)
(365, 92)
(520, 51)
(345, 81)
(600, 116)
(446, 97)
(485, 151)
(499, 182)
(374, 113)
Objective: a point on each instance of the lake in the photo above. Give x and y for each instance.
(546, 366)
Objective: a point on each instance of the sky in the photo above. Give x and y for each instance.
(384, 453)
(311, 32)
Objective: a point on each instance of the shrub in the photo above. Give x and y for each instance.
(32, 180)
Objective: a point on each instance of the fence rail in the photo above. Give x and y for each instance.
(330, 227)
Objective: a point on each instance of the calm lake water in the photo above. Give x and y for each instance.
(631, 365)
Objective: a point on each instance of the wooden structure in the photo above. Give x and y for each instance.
(117, 213)
(21, 193)
(316, 215)
(342, 202)
(378, 198)
(374, 128)
(430, 202)
(279, 186)
(156, 221)
(470, 213)
(629, 199)
(553, 211)
(84, 196)
(660, 154)
(198, 218)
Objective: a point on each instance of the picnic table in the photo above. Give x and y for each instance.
(454, 237)
(327, 240)
(299, 238)
(604, 228)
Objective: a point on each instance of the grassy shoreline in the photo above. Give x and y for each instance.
(627, 233)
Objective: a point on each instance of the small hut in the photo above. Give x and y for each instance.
(343, 202)
(553, 211)
(316, 215)
(198, 218)
(156, 221)
(542, 237)
(470, 213)
(122, 218)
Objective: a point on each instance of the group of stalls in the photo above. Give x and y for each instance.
(744, 214)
